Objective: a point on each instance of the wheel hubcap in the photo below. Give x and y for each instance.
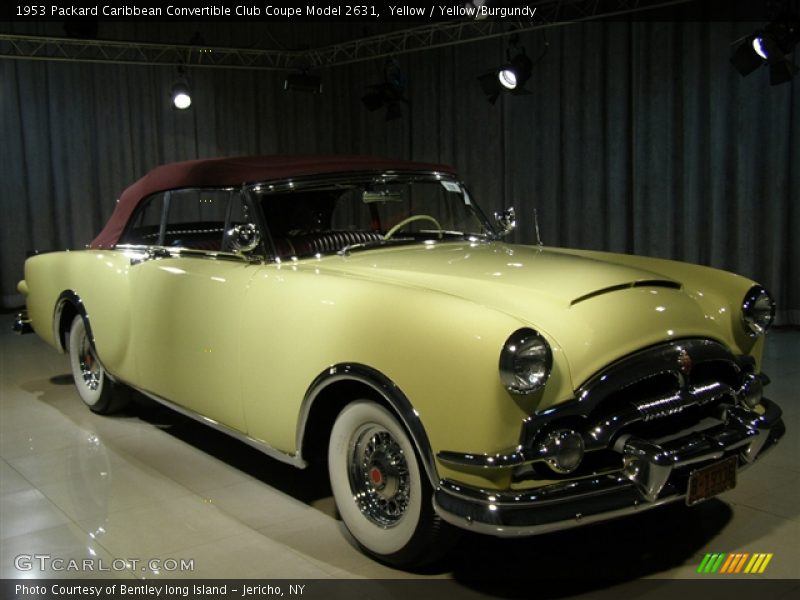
(379, 476)
(90, 368)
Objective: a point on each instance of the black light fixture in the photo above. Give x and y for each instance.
(390, 93)
(303, 81)
(770, 46)
(181, 93)
(511, 77)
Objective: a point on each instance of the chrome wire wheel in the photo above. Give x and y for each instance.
(88, 364)
(377, 481)
(382, 492)
(379, 477)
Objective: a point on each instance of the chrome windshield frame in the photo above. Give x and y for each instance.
(345, 180)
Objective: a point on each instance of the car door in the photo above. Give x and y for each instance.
(188, 292)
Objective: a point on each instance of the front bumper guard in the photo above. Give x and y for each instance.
(653, 474)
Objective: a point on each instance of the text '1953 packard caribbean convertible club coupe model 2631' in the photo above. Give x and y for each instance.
(366, 313)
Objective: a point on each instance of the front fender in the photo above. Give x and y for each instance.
(390, 393)
(441, 350)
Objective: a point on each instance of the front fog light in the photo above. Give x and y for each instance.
(563, 450)
(525, 362)
(758, 311)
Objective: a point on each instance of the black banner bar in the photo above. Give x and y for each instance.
(401, 11)
(708, 588)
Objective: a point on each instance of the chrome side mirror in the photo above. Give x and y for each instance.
(243, 238)
(506, 221)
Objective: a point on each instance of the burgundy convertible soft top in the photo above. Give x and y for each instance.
(220, 172)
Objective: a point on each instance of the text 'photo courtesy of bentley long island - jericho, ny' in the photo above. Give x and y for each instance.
(364, 313)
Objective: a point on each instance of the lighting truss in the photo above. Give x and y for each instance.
(142, 53)
(549, 13)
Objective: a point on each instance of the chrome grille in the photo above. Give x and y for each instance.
(659, 388)
(665, 402)
(660, 407)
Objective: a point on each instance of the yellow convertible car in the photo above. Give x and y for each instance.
(366, 313)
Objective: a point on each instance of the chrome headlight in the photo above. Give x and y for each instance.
(525, 362)
(758, 311)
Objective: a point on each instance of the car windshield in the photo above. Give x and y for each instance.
(328, 217)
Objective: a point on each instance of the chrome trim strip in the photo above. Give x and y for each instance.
(661, 283)
(293, 184)
(156, 252)
(549, 495)
(511, 458)
(388, 390)
(73, 299)
(292, 459)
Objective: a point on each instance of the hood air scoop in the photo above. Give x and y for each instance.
(658, 283)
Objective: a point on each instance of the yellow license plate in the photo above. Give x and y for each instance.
(712, 480)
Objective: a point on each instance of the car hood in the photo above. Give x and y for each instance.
(462, 269)
(593, 310)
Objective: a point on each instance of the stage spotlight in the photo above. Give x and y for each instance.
(181, 94)
(516, 74)
(758, 46)
(508, 78)
(303, 81)
(391, 92)
(511, 77)
(747, 58)
(770, 46)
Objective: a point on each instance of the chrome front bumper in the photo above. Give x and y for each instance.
(653, 474)
(22, 324)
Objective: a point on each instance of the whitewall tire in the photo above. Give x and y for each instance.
(94, 386)
(382, 493)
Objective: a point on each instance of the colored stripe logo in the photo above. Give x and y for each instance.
(727, 564)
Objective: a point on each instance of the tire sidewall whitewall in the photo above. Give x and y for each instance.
(77, 335)
(379, 540)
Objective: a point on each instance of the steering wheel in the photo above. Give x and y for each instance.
(388, 235)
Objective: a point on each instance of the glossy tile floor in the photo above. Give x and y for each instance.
(149, 484)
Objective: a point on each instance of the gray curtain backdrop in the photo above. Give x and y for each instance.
(637, 137)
